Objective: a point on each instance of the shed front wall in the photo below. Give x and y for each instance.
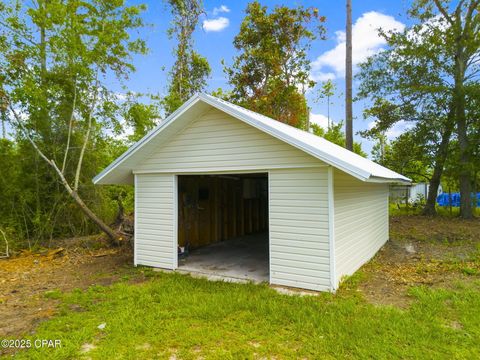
(155, 220)
(361, 221)
(217, 142)
(299, 228)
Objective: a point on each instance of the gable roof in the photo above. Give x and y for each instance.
(120, 170)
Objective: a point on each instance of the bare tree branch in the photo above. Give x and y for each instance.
(70, 125)
(468, 17)
(443, 11)
(24, 36)
(87, 135)
(7, 252)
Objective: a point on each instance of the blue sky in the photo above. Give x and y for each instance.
(222, 22)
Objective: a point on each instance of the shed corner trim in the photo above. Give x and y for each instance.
(331, 230)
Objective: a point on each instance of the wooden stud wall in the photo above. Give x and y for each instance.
(214, 208)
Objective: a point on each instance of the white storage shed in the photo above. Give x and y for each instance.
(213, 173)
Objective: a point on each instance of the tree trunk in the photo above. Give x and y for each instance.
(464, 160)
(474, 190)
(89, 213)
(441, 157)
(4, 129)
(348, 81)
(429, 208)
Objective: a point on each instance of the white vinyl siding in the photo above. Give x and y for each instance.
(361, 222)
(299, 246)
(218, 142)
(155, 214)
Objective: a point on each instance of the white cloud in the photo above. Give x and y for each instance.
(121, 96)
(396, 130)
(365, 42)
(320, 119)
(325, 76)
(217, 24)
(221, 9)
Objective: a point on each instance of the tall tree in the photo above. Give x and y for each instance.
(462, 31)
(80, 44)
(190, 70)
(416, 81)
(348, 81)
(327, 90)
(271, 73)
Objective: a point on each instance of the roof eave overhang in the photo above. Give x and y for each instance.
(378, 179)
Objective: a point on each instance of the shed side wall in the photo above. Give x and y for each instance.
(299, 246)
(218, 142)
(155, 220)
(361, 221)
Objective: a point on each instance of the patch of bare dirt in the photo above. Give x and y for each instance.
(436, 252)
(27, 278)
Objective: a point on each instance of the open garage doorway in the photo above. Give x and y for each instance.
(223, 225)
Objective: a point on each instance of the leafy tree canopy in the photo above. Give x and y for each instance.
(271, 72)
(336, 135)
(190, 70)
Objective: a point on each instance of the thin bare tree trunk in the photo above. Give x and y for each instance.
(70, 126)
(4, 129)
(328, 112)
(87, 136)
(348, 81)
(7, 252)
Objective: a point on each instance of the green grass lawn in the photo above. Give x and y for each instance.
(176, 316)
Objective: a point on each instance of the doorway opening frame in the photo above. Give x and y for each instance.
(175, 209)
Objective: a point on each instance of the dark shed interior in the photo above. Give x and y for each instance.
(214, 208)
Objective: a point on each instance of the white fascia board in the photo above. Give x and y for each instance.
(376, 179)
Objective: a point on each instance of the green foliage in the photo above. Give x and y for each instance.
(427, 78)
(336, 135)
(271, 73)
(141, 118)
(410, 210)
(405, 155)
(54, 64)
(190, 70)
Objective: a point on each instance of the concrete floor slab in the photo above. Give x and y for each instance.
(237, 260)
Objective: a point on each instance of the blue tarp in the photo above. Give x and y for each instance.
(446, 199)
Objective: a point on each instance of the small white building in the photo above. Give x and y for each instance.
(414, 192)
(214, 173)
